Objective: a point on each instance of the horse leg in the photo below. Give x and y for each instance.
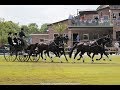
(45, 54)
(107, 55)
(83, 59)
(100, 57)
(93, 57)
(89, 54)
(65, 55)
(42, 56)
(79, 57)
(76, 53)
(60, 59)
(75, 56)
(49, 55)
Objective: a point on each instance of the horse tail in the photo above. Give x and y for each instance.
(70, 54)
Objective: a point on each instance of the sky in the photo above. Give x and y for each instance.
(40, 14)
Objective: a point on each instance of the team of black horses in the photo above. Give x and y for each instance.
(57, 47)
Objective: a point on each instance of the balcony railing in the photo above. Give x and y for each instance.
(90, 23)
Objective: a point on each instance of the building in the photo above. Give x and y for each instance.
(90, 25)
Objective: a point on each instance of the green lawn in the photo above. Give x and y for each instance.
(30, 73)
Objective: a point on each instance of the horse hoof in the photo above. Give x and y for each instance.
(104, 59)
(92, 61)
(110, 60)
(96, 59)
(83, 61)
(61, 62)
(78, 59)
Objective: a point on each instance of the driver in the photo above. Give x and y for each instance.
(22, 36)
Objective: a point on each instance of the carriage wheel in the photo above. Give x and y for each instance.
(35, 57)
(22, 57)
(9, 55)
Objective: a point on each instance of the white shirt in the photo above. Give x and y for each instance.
(116, 45)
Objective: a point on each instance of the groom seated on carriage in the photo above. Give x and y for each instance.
(15, 39)
(12, 41)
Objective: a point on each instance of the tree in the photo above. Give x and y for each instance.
(33, 27)
(44, 28)
(5, 27)
(60, 28)
(25, 28)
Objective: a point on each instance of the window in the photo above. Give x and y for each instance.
(106, 17)
(95, 16)
(95, 36)
(86, 36)
(119, 17)
(115, 15)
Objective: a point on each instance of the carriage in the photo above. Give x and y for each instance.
(18, 53)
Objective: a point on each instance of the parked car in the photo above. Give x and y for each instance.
(2, 49)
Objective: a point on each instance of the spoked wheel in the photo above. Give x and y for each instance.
(22, 57)
(35, 57)
(10, 54)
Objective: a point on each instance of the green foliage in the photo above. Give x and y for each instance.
(9, 26)
(33, 27)
(44, 28)
(26, 29)
(60, 28)
(5, 27)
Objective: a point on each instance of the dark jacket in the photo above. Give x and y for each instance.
(10, 41)
(15, 40)
(21, 34)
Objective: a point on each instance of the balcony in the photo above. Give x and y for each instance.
(90, 23)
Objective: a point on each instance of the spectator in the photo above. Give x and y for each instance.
(78, 38)
(116, 45)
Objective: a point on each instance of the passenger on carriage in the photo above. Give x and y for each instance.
(10, 41)
(15, 39)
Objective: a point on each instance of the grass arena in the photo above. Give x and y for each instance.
(54, 73)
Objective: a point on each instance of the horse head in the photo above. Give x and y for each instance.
(65, 39)
(56, 40)
(104, 40)
(108, 40)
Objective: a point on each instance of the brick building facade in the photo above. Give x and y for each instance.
(89, 25)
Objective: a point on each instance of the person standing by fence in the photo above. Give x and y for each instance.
(116, 45)
(78, 38)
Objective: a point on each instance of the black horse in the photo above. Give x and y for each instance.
(96, 47)
(56, 47)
